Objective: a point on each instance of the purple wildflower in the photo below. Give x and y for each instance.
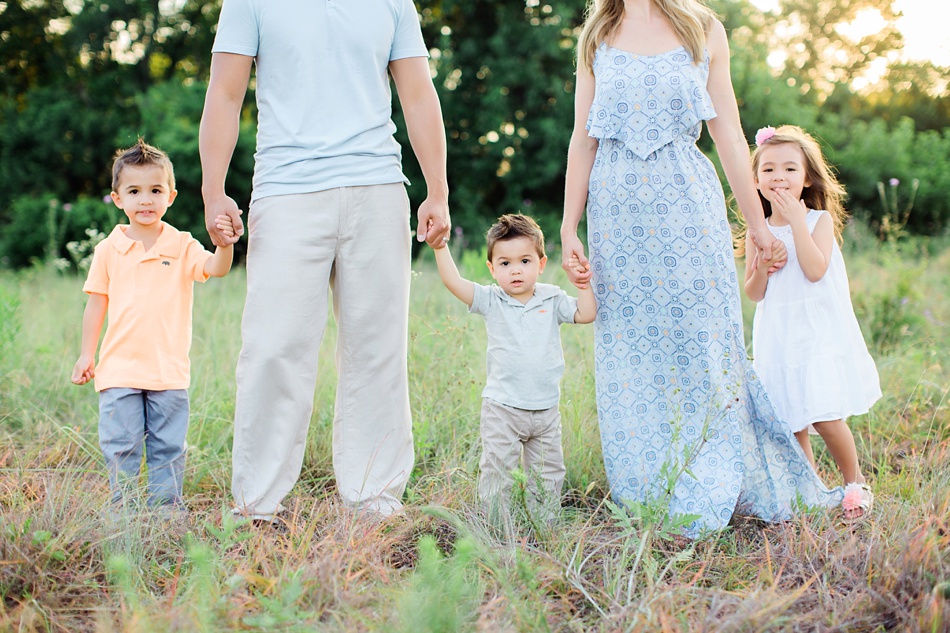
(894, 182)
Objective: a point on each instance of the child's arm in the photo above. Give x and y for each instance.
(756, 271)
(586, 303)
(813, 249)
(92, 320)
(220, 263)
(461, 288)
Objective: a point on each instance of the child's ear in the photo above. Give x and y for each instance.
(490, 269)
(116, 199)
(172, 196)
(544, 260)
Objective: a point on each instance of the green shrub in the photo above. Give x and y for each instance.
(41, 226)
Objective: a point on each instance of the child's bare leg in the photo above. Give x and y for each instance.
(840, 442)
(803, 439)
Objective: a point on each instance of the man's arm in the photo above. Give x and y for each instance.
(217, 138)
(420, 105)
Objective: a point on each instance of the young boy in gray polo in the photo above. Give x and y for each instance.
(525, 362)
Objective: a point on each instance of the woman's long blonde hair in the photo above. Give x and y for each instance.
(690, 19)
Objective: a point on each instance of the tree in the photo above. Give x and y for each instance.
(821, 44)
(505, 76)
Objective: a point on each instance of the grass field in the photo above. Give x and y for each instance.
(67, 565)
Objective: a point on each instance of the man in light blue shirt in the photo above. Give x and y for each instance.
(328, 211)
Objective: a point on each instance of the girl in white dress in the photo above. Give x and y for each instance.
(807, 344)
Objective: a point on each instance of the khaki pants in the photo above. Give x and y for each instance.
(506, 433)
(355, 241)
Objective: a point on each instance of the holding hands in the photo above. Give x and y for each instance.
(214, 211)
(434, 222)
(573, 260)
(774, 262)
(582, 271)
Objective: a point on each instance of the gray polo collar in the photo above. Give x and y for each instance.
(542, 292)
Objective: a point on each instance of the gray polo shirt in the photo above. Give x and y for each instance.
(323, 94)
(525, 361)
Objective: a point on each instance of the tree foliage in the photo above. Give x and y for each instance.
(820, 50)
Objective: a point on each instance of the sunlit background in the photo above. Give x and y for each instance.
(923, 24)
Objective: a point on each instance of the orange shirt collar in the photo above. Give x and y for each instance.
(168, 244)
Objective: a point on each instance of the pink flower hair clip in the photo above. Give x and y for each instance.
(763, 135)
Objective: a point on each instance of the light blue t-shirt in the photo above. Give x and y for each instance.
(525, 361)
(323, 95)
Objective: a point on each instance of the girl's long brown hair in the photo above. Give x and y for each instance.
(824, 191)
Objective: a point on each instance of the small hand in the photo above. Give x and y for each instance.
(779, 257)
(791, 210)
(83, 371)
(224, 224)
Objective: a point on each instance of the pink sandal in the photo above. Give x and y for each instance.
(857, 497)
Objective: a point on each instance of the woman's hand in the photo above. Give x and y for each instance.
(573, 260)
(763, 240)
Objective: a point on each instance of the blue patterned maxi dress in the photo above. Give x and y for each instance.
(683, 418)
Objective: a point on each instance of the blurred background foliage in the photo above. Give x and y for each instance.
(79, 79)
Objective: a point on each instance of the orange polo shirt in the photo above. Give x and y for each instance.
(150, 297)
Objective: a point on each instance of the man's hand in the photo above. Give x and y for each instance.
(434, 222)
(223, 206)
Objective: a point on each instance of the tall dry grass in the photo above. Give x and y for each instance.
(67, 563)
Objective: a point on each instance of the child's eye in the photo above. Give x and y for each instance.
(156, 190)
(504, 263)
(526, 261)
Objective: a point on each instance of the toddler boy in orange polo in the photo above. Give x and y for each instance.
(143, 276)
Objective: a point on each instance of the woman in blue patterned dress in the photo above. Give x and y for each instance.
(683, 419)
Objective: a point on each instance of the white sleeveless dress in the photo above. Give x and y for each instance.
(807, 345)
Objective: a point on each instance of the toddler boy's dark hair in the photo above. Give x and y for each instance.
(512, 226)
